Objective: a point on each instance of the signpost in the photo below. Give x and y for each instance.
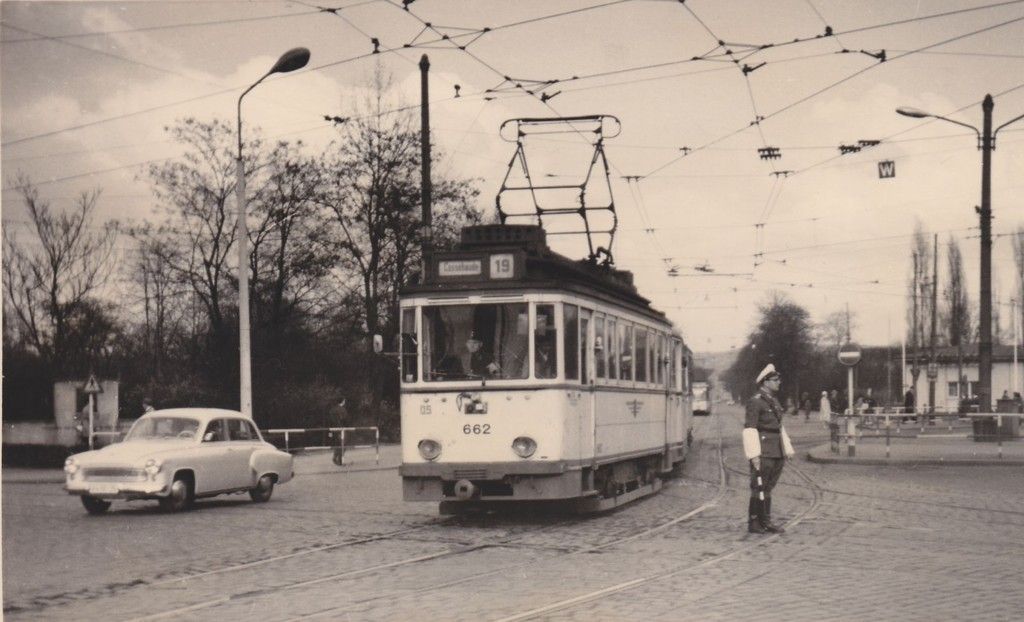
(849, 355)
(92, 387)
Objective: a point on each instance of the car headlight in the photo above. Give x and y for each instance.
(429, 449)
(152, 467)
(524, 446)
(70, 466)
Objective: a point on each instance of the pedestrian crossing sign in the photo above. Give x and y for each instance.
(92, 386)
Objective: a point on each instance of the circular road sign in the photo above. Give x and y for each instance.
(849, 354)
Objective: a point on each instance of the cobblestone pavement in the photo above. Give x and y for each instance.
(921, 542)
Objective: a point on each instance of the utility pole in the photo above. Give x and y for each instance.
(985, 299)
(427, 232)
(932, 364)
(915, 369)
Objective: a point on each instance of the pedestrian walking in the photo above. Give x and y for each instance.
(825, 407)
(766, 446)
(805, 405)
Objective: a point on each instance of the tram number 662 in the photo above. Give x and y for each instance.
(478, 428)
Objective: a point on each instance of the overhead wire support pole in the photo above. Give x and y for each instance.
(427, 232)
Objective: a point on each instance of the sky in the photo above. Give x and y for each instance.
(709, 228)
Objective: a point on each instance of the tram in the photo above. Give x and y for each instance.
(528, 376)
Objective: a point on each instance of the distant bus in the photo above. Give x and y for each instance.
(701, 399)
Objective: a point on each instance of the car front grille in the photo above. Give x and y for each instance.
(121, 473)
(470, 473)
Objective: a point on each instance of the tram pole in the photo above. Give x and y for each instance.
(425, 185)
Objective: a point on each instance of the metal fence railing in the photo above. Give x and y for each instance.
(890, 423)
(337, 439)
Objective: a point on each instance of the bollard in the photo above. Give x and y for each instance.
(886, 440)
(999, 437)
(286, 440)
(376, 442)
(851, 437)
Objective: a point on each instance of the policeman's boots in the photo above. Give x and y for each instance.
(754, 517)
(766, 519)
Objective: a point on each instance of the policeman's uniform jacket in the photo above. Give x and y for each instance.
(763, 433)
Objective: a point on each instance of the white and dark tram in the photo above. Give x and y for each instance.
(528, 376)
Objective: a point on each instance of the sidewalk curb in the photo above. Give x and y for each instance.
(1011, 462)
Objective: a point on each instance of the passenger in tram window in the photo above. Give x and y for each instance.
(545, 359)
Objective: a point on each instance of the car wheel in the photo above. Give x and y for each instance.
(179, 498)
(95, 505)
(261, 493)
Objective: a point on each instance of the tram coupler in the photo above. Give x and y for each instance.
(465, 490)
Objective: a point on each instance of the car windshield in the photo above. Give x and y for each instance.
(152, 428)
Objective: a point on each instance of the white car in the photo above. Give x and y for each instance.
(176, 456)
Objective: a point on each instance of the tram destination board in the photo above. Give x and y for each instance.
(503, 265)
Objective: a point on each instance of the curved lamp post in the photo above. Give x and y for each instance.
(290, 61)
(986, 143)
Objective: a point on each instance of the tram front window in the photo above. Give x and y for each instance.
(464, 342)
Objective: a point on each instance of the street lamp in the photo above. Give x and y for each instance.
(290, 61)
(986, 143)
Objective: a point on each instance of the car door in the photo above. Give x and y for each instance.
(214, 462)
(242, 442)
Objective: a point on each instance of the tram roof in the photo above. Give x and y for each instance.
(517, 257)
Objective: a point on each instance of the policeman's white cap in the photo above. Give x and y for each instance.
(766, 373)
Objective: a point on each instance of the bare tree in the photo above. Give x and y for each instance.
(50, 277)
(831, 333)
(957, 315)
(292, 250)
(197, 191)
(920, 301)
(162, 294)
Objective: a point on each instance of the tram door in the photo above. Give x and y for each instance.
(586, 420)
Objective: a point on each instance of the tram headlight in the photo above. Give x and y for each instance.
(524, 446)
(429, 449)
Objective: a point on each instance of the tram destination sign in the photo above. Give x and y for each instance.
(491, 266)
(460, 267)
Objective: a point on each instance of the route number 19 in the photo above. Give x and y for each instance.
(502, 266)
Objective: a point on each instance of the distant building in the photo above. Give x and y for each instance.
(946, 384)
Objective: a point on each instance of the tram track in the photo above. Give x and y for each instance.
(510, 541)
(743, 546)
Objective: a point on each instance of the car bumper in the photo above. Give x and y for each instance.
(119, 490)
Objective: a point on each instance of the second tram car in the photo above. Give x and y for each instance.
(529, 376)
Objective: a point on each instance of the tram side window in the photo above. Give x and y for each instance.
(544, 335)
(409, 342)
(612, 349)
(641, 354)
(659, 360)
(626, 351)
(600, 347)
(584, 350)
(673, 362)
(571, 341)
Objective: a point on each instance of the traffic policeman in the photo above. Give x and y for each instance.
(766, 446)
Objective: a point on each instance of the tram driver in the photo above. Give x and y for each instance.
(481, 360)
